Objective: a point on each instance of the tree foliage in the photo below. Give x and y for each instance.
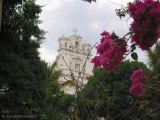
(154, 58)
(59, 105)
(106, 94)
(28, 85)
(23, 75)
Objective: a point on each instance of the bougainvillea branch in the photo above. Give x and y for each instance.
(110, 52)
(144, 33)
(146, 22)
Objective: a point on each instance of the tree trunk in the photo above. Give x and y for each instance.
(0, 13)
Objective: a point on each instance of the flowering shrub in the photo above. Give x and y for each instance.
(144, 32)
(137, 76)
(109, 52)
(137, 87)
(146, 24)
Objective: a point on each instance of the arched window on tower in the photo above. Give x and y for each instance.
(65, 45)
(71, 47)
(76, 44)
(88, 50)
(77, 67)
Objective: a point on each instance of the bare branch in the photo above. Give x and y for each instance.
(148, 114)
(89, 53)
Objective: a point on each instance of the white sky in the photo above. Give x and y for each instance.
(60, 17)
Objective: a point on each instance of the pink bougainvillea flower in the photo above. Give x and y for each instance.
(137, 76)
(146, 22)
(96, 61)
(105, 34)
(109, 52)
(137, 89)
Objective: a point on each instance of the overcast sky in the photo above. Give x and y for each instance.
(60, 17)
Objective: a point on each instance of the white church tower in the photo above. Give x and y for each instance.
(74, 58)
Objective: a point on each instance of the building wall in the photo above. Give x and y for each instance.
(72, 56)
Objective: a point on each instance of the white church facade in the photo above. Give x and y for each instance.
(74, 61)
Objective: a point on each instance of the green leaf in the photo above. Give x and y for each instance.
(130, 100)
(133, 46)
(114, 36)
(121, 12)
(134, 56)
(70, 83)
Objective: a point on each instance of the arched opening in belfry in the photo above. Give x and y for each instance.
(65, 45)
(76, 44)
